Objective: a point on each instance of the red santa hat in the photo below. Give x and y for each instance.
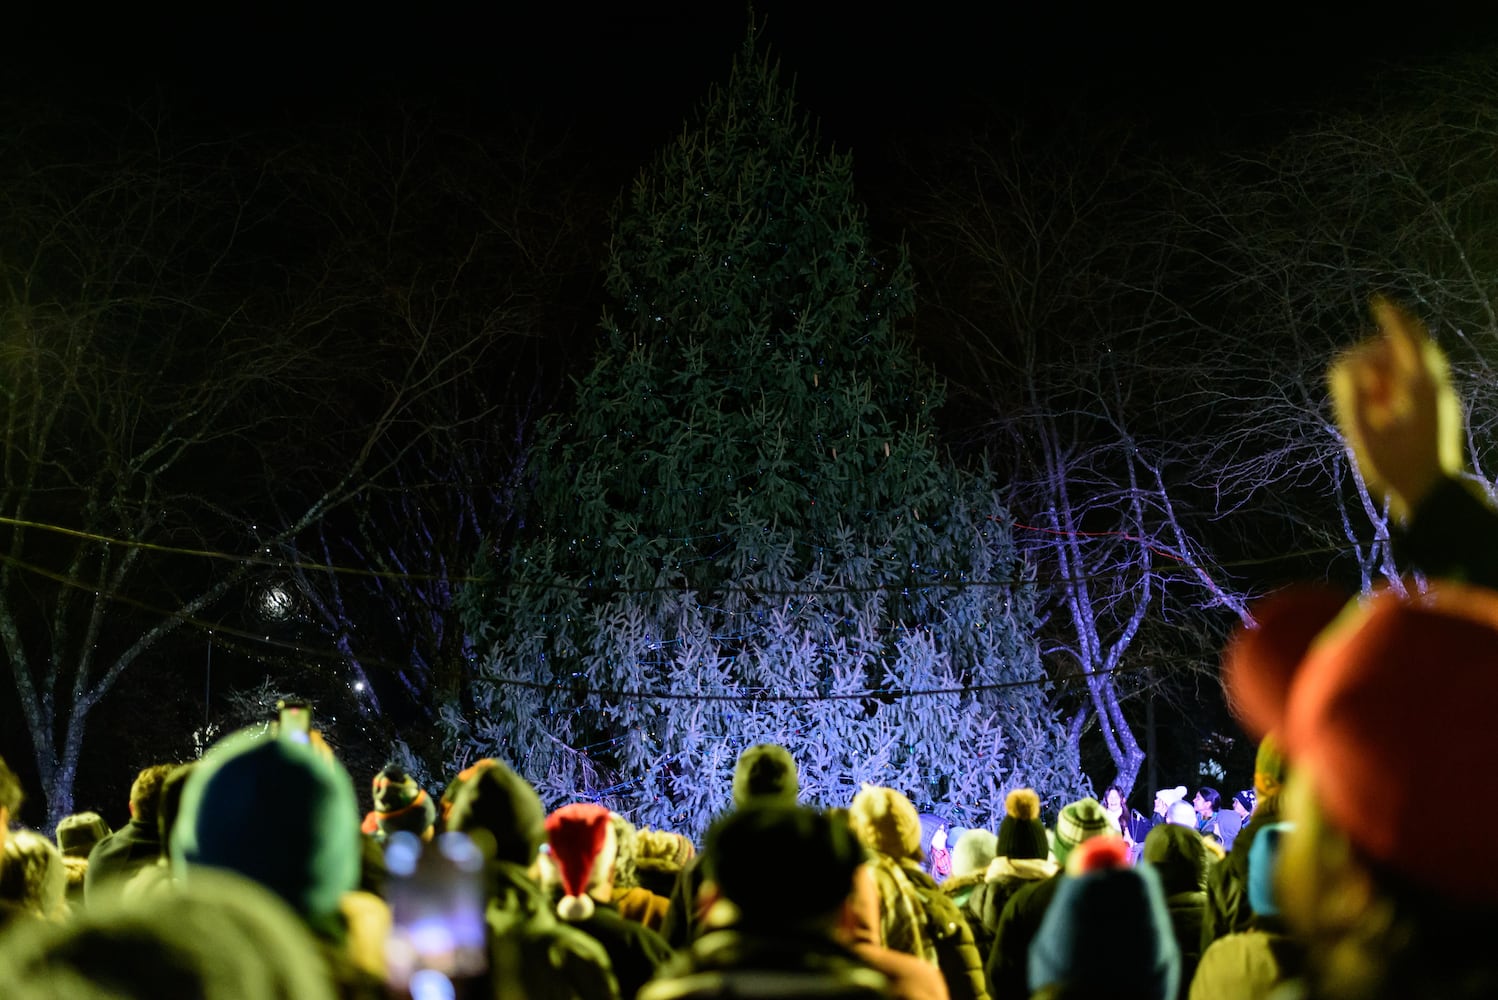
(582, 844)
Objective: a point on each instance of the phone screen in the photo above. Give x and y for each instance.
(436, 896)
(294, 720)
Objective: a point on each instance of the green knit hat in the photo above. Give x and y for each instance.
(1077, 822)
(765, 775)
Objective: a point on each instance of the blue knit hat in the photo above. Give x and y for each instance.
(1263, 856)
(1108, 931)
(279, 813)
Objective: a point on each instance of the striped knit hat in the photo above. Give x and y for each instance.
(1078, 821)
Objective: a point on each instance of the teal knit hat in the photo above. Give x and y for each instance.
(279, 813)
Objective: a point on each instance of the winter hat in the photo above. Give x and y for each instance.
(765, 773)
(886, 821)
(502, 805)
(582, 846)
(672, 850)
(1269, 767)
(1374, 700)
(1107, 930)
(1021, 833)
(753, 855)
(400, 803)
(1179, 856)
(77, 834)
(278, 812)
(1077, 822)
(1263, 856)
(1181, 814)
(450, 793)
(1170, 796)
(973, 852)
(1246, 799)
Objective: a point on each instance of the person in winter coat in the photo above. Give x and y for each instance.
(764, 774)
(583, 852)
(33, 879)
(1227, 910)
(1008, 961)
(973, 852)
(1022, 857)
(76, 836)
(284, 814)
(135, 845)
(633, 900)
(1179, 858)
(1251, 964)
(531, 951)
(778, 881)
(915, 916)
(910, 978)
(1373, 702)
(1106, 933)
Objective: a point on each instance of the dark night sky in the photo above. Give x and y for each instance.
(624, 77)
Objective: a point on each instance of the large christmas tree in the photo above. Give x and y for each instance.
(744, 530)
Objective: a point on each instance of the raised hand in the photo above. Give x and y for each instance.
(1396, 408)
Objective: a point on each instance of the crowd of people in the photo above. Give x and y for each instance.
(249, 874)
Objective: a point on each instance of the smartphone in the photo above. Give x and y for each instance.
(437, 932)
(294, 720)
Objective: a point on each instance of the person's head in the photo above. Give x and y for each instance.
(934, 832)
(1107, 931)
(885, 821)
(1166, 797)
(583, 848)
(279, 812)
(765, 774)
(1205, 802)
(973, 852)
(401, 804)
(77, 834)
(500, 808)
(32, 875)
(1179, 857)
(1372, 702)
(1181, 814)
(1243, 803)
(1113, 800)
(145, 793)
(450, 793)
(753, 855)
(1079, 822)
(1022, 836)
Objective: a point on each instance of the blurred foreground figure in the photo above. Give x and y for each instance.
(1374, 703)
(780, 878)
(222, 938)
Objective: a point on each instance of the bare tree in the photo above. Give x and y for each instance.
(1044, 262)
(152, 389)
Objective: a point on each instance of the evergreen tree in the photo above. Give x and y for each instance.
(744, 530)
